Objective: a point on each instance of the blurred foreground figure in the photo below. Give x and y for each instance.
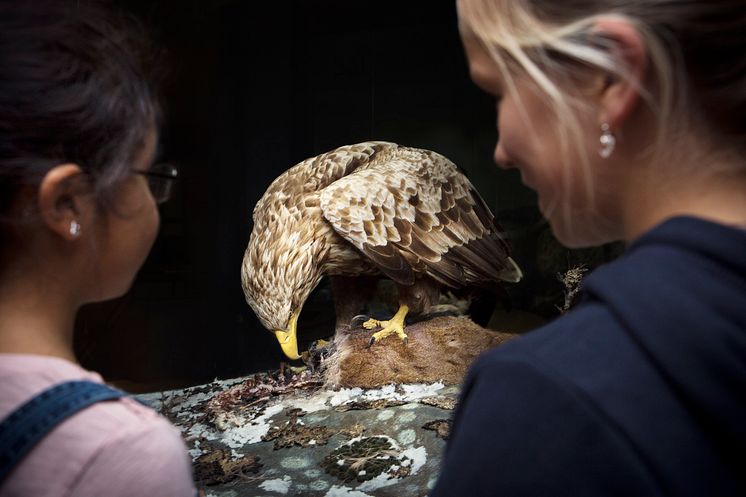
(627, 118)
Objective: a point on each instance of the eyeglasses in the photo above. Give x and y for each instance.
(160, 179)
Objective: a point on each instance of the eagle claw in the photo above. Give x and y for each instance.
(393, 325)
(358, 320)
(387, 328)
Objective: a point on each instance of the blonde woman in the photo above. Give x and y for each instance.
(628, 118)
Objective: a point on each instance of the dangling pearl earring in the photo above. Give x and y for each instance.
(607, 140)
(74, 228)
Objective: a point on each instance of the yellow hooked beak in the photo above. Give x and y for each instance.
(288, 339)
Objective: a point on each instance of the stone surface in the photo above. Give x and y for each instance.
(363, 421)
(376, 442)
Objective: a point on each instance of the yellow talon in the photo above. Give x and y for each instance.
(393, 325)
(373, 323)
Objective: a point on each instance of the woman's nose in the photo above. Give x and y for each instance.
(500, 157)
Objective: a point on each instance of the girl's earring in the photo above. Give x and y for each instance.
(607, 141)
(74, 228)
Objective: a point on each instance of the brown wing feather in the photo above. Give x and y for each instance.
(391, 262)
(316, 173)
(412, 211)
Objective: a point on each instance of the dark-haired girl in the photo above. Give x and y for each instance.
(78, 128)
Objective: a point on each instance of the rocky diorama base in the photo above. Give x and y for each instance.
(366, 421)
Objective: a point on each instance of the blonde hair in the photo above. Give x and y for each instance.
(694, 47)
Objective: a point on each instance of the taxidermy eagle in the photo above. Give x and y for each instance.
(373, 208)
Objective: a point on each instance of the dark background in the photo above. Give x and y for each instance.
(251, 89)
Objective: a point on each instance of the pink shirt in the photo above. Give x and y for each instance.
(112, 448)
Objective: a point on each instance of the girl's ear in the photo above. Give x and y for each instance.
(61, 200)
(620, 94)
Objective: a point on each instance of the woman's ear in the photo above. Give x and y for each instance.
(61, 199)
(620, 94)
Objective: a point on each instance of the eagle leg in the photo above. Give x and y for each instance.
(393, 325)
(350, 295)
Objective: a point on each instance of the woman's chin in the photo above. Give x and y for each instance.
(578, 233)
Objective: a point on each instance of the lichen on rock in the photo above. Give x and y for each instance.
(365, 459)
(294, 433)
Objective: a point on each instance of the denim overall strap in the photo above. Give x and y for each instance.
(27, 425)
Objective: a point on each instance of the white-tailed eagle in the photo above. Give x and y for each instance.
(365, 209)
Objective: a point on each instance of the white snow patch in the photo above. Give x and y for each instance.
(197, 430)
(318, 401)
(344, 395)
(191, 401)
(336, 491)
(252, 431)
(380, 481)
(388, 390)
(312, 403)
(418, 391)
(277, 485)
(407, 393)
(227, 383)
(418, 455)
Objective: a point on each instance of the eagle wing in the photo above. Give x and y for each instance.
(293, 187)
(412, 211)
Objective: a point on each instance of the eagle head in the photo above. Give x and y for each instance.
(279, 271)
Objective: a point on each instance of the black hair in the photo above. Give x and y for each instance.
(73, 88)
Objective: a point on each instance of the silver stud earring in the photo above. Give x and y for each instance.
(74, 228)
(607, 141)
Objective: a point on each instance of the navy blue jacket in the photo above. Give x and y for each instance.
(638, 391)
